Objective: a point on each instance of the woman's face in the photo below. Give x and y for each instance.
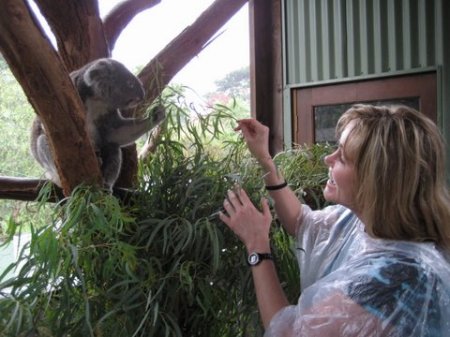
(340, 187)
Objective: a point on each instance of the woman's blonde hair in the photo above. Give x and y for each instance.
(399, 158)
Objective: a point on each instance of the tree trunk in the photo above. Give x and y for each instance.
(78, 30)
(47, 85)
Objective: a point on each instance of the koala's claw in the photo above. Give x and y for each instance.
(158, 114)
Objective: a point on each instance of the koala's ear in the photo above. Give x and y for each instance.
(90, 75)
(95, 71)
(74, 76)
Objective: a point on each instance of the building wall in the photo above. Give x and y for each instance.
(328, 41)
(335, 39)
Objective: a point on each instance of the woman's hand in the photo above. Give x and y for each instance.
(252, 227)
(246, 221)
(256, 136)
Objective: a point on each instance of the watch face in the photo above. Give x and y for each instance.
(253, 259)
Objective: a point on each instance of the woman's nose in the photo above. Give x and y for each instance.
(329, 159)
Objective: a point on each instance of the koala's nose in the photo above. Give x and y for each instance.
(134, 101)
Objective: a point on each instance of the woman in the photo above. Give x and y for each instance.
(374, 264)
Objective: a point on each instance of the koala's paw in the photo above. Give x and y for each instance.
(158, 114)
(108, 187)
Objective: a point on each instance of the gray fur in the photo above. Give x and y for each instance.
(105, 86)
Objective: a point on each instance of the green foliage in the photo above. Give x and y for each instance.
(304, 169)
(161, 264)
(16, 116)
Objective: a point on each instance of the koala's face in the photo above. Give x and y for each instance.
(113, 83)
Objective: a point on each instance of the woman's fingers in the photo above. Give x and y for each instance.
(235, 200)
(232, 202)
(248, 127)
(229, 207)
(225, 218)
(242, 195)
(265, 207)
(244, 219)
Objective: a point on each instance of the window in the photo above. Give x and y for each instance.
(317, 109)
(326, 116)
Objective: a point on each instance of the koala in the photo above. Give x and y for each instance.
(105, 87)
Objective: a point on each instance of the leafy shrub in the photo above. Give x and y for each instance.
(162, 263)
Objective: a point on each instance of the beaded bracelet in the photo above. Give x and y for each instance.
(276, 187)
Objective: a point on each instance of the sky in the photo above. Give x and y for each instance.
(153, 29)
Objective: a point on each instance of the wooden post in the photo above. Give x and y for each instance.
(266, 68)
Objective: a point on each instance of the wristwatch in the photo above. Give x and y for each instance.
(255, 258)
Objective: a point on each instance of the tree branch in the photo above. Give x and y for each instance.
(25, 189)
(28, 189)
(169, 61)
(189, 43)
(47, 85)
(78, 30)
(121, 15)
(160, 71)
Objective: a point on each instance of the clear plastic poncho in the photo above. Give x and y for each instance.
(355, 285)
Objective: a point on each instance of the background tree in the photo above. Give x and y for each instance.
(16, 116)
(15, 119)
(81, 36)
(236, 84)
